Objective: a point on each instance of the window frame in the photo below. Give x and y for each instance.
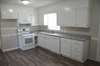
(47, 24)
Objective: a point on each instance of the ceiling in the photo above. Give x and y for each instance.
(34, 3)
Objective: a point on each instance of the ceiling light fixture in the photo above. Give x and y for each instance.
(25, 2)
(67, 9)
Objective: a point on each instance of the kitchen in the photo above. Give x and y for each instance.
(50, 32)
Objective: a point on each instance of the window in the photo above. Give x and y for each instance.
(51, 21)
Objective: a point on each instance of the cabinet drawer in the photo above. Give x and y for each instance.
(65, 49)
(66, 54)
(77, 44)
(77, 57)
(47, 36)
(77, 54)
(77, 51)
(42, 35)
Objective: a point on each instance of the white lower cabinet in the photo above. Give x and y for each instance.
(49, 42)
(41, 41)
(77, 50)
(74, 49)
(66, 47)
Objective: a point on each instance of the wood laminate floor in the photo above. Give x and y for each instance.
(38, 57)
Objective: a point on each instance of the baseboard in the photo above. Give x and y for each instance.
(97, 60)
(94, 60)
(11, 49)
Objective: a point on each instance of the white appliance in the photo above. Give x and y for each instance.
(25, 20)
(26, 41)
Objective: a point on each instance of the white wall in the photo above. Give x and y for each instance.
(0, 30)
(98, 46)
(94, 28)
(9, 34)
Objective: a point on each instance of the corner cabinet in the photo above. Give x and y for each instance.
(71, 48)
(75, 49)
(49, 42)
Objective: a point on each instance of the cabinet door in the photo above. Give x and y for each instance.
(49, 42)
(52, 43)
(7, 13)
(77, 50)
(66, 47)
(23, 12)
(66, 17)
(73, 17)
(41, 41)
(82, 17)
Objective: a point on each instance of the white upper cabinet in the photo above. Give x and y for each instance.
(8, 12)
(15, 12)
(70, 13)
(24, 14)
(27, 15)
(82, 17)
(73, 17)
(74, 14)
(66, 17)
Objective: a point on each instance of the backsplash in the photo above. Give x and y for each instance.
(68, 30)
(75, 29)
(35, 28)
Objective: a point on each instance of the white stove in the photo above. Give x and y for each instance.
(26, 41)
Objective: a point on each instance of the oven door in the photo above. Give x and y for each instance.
(28, 40)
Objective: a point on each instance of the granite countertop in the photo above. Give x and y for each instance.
(67, 35)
